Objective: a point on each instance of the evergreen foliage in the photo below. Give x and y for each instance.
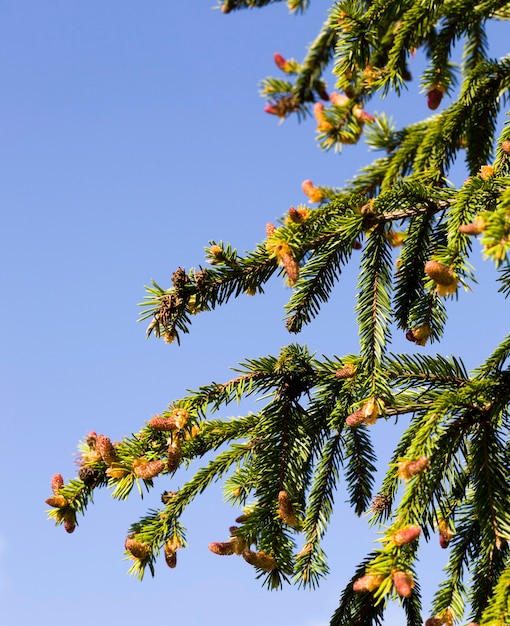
(449, 474)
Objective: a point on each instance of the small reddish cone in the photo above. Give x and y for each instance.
(280, 61)
(505, 146)
(57, 482)
(106, 449)
(348, 371)
(162, 423)
(291, 267)
(270, 229)
(221, 547)
(434, 97)
(403, 583)
(286, 509)
(355, 419)
(174, 457)
(314, 193)
(339, 100)
(137, 548)
(406, 535)
(260, 559)
(149, 470)
(434, 621)
(368, 582)
(272, 109)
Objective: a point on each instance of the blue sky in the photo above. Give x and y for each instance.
(131, 135)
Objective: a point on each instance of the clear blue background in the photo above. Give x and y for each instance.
(131, 134)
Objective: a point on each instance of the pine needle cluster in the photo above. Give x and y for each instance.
(448, 478)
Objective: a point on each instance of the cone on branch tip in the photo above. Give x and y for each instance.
(174, 457)
(403, 583)
(106, 449)
(407, 469)
(348, 371)
(486, 172)
(57, 482)
(137, 549)
(286, 509)
(282, 107)
(323, 126)
(262, 560)
(445, 279)
(368, 414)
(88, 475)
(69, 521)
(170, 556)
(406, 535)
(297, 215)
(287, 66)
(434, 97)
(270, 229)
(419, 335)
(162, 423)
(314, 193)
(446, 533)
(340, 100)
(57, 501)
(148, 470)
(223, 548)
(474, 228)
(380, 503)
(368, 582)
